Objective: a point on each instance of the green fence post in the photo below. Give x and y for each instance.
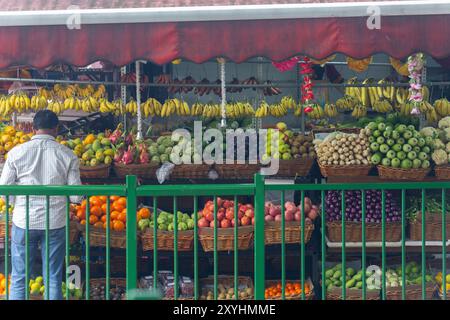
(259, 238)
(131, 233)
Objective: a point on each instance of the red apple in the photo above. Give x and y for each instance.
(289, 205)
(308, 201)
(227, 204)
(253, 221)
(225, 223)
(269, 218)
(229, 214)
(202, 223)
(245, 221)
(219, 202)
(211, 224)
(220, 215)
(209, 216)
(297, 216)
(249, 206)
(288, 216)
(313, 214)
(274, 211)
(250, 213)
(278, 217)
(240, 214)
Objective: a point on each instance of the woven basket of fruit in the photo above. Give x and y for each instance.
(389, 173)
(352, 294)
(353, 232)
(413, 289)
(74, 231)
(145, 171)
(165, 227)
(117, 288)
(344, 171)
(442, 172)
(225, 238)
(353, 216)
(299, 167)
(3, 229)
(233, 170)
(97, 237)
(433, 226)
(225, 288)
(292, 213)
(96, 172)
(190, 171)
(293, 290)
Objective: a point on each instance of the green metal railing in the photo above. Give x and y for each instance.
(257, 190)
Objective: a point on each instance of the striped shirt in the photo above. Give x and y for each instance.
(41, 161)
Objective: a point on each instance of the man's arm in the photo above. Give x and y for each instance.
(8, 177)
(73, 179)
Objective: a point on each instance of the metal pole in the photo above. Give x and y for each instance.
(223, 102)
(138, 100)
(123, 94)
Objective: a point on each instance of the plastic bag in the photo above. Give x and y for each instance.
(163, 173)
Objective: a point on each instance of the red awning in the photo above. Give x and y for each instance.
(120, 44)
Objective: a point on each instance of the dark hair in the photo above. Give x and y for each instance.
(45, 119)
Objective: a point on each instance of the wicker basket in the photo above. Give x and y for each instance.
(433, 228)
(237, 171)
(113, 282)
(225, 238)
(145, 171)
(292, 232)
(344, 171)
(3, 229)
(74, 231)
(413, 292)
(295, 167)
(352, 294)
(190, 171)
(97, 237)
(166, 242)
(442, 172)
(308, 296)
(353, 232)
(227, 281)
(389, 173)
(97, 172)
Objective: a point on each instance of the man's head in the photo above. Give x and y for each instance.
(46, 122)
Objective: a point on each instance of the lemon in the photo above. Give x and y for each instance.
(35, 288)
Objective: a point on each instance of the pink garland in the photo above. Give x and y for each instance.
(306, 70)
(415, 67)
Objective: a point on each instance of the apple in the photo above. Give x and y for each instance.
(249, 213)
(307, 207)
(228, 204)
(278, 217)
(249, 206)
(220, 215)
(291, 210)
(253, 221)
(211, 224)
(269, 218)
(209, 216)
(230, 214)
(245, 221)
(312, 214)
(274, 211)
(202, 223)
(219, 202)
(289, 205)
(288, 216)
(240, 214)
(225, 223)
(308, 201)
(297, 216)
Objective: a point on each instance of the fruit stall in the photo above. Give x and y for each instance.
(358, 132)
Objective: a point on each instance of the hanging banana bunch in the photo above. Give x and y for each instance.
(359, 111)
(64, 91)
(354, 92)
(406, 108)
(56, 106)
(100, 92)
(401, 97)
(44, 92)
(197, 109)
(431, 115)
(277, 110)
(330, 110)
(442, 107)
(346, 103)
(288, 102)
(131, 107)
(316, 113)
(211, 111)
(85, 91)
(263, 110)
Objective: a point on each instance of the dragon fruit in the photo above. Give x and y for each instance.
(118, 155)
(115, 136)
(129, 139)
(128, 156)
(144, 157)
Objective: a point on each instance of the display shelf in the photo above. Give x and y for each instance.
(372, 179)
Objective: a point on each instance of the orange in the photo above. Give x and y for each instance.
(113, 198)
(93, 219)
(2, 276)
(97, 211)
(114, 215)
(144, 213)
(104, 208)
(118, 225)
(98, 224)
(95, 201)
(83, 204)
(122, 217)
(117, 206)
(122, 201)
(103, 199)
(81, 214)
(103, 219)
(83, 222)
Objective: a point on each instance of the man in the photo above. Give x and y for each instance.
(41, 161)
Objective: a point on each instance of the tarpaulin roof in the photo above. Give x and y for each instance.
(39, 45)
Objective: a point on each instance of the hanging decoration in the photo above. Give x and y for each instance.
(286, 65)
(223, 92)
(323, 61)
(401, 68)
(416, 64)
(306, 69)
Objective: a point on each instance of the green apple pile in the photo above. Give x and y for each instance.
(165, 221)
(160, 149)
(399, 147)
(92, 151)
(353, 278)
(413, 275)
